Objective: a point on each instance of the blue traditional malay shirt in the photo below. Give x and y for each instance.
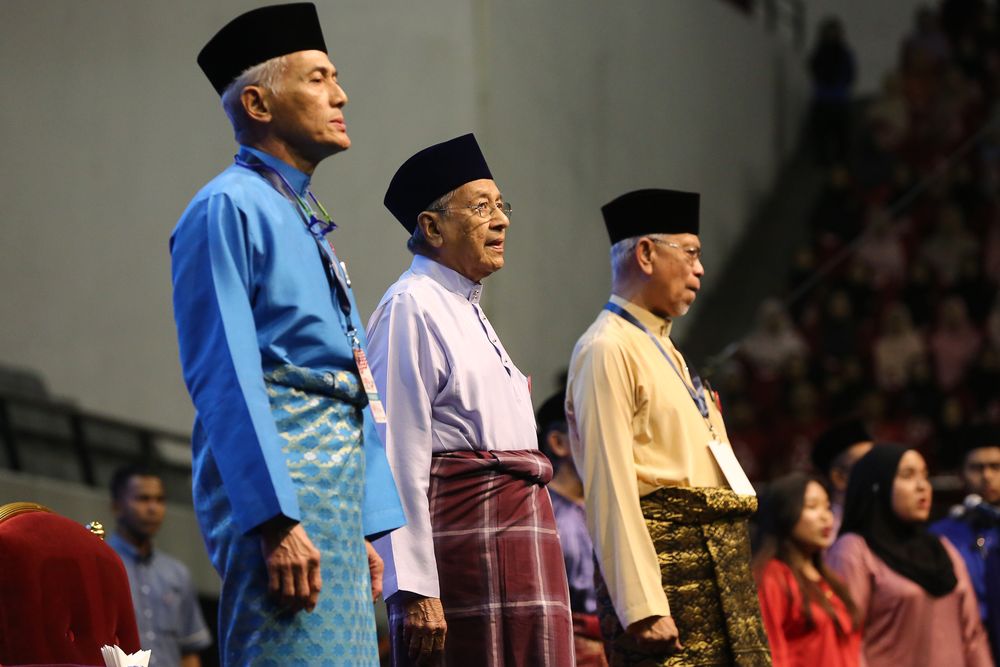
(166, 606)
(578, 551)
(978, 540)
(251, 294)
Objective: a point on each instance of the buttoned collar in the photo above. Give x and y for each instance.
(451, 280)
(297, 179)
(656, 324)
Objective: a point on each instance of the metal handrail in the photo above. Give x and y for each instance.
(77, 421)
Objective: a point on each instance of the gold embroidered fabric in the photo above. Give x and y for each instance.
(703, 546)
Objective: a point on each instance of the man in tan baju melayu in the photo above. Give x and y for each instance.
(668, 526)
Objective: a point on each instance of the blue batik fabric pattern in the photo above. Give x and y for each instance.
(319, 417)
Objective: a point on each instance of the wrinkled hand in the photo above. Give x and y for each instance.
(375, 567)
(656, 634)
(424, 628)
(293, 575)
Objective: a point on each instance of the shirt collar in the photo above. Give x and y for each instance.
(123, 546)
(654, 323)
(297, 179)
(453, 281)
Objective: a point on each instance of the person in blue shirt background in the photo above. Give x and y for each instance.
(290, 476)
(974, 526)
(170, 622)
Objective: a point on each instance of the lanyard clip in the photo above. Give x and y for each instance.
(324, 227)
(352, 335)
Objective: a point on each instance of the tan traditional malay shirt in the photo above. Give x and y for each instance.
(634, 428)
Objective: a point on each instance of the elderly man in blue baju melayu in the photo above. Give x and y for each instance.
(289, 473)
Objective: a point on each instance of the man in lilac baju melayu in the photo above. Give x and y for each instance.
(479, 560)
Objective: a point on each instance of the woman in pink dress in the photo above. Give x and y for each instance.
(917, 604)
(810, 618)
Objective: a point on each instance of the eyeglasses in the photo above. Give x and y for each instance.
(485, 210)
(693, 252)
(980, 468)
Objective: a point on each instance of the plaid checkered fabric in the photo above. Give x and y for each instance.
(500, 566)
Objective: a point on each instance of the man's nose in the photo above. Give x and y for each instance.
(339, 96)
(499, 219)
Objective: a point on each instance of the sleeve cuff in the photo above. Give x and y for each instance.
(642, 610)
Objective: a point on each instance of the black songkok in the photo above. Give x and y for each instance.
(431, 173)
(652, 211)
(836, 439)
(552, 413)
(978, 436)
(256, 37)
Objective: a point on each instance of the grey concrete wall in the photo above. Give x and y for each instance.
(109, 128)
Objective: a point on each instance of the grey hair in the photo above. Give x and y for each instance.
(623, 253)
(267, 75)
(417, 243)
(621, 257)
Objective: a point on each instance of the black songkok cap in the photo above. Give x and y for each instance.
(433, 172)
(978, 436)
(552, 412)
(652, 211)
(256, 37)
(837, 439)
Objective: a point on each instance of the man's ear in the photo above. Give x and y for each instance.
(430, 226)
(558, 443)
(256, 104)
(644, 256)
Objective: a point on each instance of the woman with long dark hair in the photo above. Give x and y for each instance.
(808, 614)
(916, 601)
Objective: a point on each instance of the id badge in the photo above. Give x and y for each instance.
(368, 382)
(731, 468)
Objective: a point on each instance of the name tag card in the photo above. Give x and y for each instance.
(368, 382)
(731, 468)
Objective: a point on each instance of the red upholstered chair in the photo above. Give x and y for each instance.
(64, 593)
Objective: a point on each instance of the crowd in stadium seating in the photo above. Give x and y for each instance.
(904, 330)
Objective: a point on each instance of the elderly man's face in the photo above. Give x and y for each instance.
(307, 113)
(676, 274)
(471, 245)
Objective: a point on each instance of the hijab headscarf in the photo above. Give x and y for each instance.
(908, 548)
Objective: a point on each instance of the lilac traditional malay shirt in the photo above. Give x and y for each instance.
(448, 385)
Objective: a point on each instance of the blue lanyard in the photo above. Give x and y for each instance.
(318, 230)
(697, 394)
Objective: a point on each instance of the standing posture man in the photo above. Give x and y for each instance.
(669, 534)
(479, 558)
(974, 526)
(166, 607)
(834, 454)
(289, 472)
(566, 491)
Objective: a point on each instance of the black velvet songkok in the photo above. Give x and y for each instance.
(431, 173)
(256, 37)
(651, 211)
